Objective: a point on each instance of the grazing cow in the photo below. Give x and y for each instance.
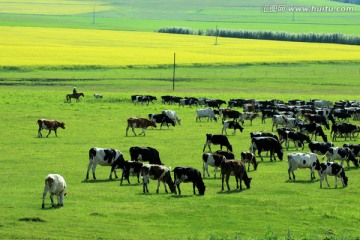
(237, 168)
(56, 185)
(249, 157)
(217, 140)
(147, 154)
(341, 153)
(189, 174)
(355, 148)
(172, 115)
(332, 169)
(320, 147)
(212, 104)
(229, 113)
(277, 120)
(142, 123)
(212, 159)
(132, 167)
(226, 154)
(268, 113)
(267, 144)
(343, 129)
(263, 134)
(206, 113)
(96, 95)
(247, 116)
(49, 125)
(141, 99)
(104, 157)
(232, 125)
(314, 129)
(303, 160)
(320, 119)
(159, 173)
(298, 138)
(161, 118)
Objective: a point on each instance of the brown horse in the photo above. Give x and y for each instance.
(76, 96)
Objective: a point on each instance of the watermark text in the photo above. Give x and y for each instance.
(276, 8)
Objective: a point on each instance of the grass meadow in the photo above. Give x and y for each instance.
(273, 208)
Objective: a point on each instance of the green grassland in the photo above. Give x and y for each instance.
(272, 208)
(145, 15)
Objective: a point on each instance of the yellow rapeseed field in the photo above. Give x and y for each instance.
(30, 46)
(59, 7)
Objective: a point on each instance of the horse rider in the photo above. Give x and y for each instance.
(75, 92)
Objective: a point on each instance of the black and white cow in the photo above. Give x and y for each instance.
(247, 116)
(303, 160)
(189, 174)
(343, 129)
(355, 148)
(313, 129)
(217, 139)
(159, 173)
(161, 118)
(267, 144)
(320, 119)
(232, 125)
(298, 138)
(341, 153)
(56, 185)
(320, 147)
(206, 113)
(132, 167)
(277, 120)
(229, 113)
(172, 115)
(104, 157)
(249, 158)
(145, 154)
(213, 160)
(332, 169)
(263, 134)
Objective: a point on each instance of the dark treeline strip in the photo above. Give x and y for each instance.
(269, 35)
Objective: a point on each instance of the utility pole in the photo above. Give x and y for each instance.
(174, 71)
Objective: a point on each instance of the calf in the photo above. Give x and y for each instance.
(147, 154)
(249, 157)
(267, 144)
(341, 153)
(332, 169)
(236, 168)
(159, 173)
(56, 185)
(189, 174)
(130, 167)
(206, 113)
(232, 125)
(104, 157)
(212, 159)
(49, 125)
(217, 140)
(142, 123)
(303, 160)
(320, 147)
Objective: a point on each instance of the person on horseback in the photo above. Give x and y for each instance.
(75, 92)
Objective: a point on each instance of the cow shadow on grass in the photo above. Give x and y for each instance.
(100, 180)
(183, 196)
(231, 191)
(302, 181)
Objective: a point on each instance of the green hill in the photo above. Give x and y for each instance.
(321, 16)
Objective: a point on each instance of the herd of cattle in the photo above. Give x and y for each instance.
(296, 121)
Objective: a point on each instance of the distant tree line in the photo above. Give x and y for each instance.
(349, 1)
(268, 35)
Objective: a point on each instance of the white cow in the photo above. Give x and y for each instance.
(104, 157)
(277, 120)
(56, 185)
(172, 115)
(303, 160)
(205, 113)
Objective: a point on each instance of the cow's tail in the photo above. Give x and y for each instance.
(92, 153)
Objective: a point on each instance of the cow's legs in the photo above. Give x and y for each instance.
(143, 131)
(215, 170)
(39, 132)
(207, 144)
(44, 195)
(336, 181)
(227, 181)
(52, 199)
(290, 170)
(87, 174)
(222, 182)
(194, 188)
(93, 170)
(48, 133)
(205, 168)
(133, 130)
(259, 153)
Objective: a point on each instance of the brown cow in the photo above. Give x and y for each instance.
(249, 157)
(157, 172)
(139, 123)
(49, 125)
(237, 168)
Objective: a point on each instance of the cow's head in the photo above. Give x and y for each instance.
(247, 182)
(152, 124)
(61, 124)
(201, 188)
